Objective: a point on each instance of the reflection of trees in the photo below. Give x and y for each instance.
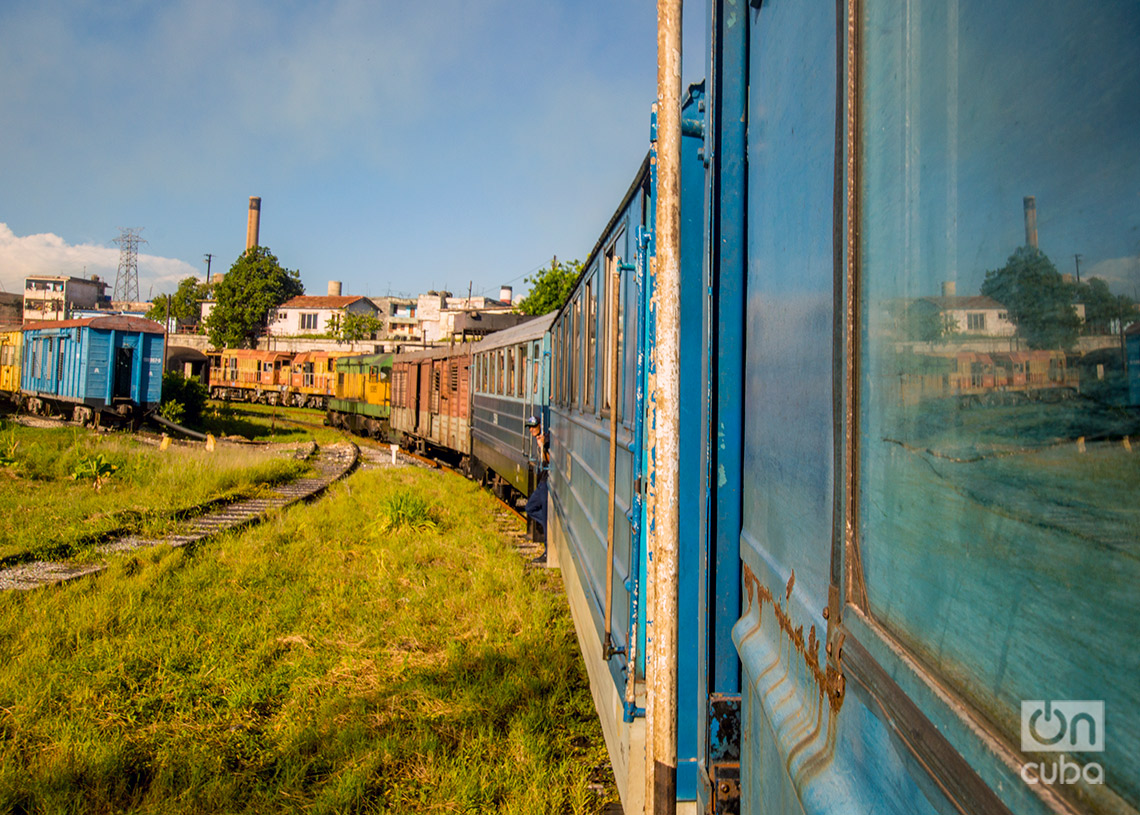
(921, 320)
(1037, 298)
(1105, 312)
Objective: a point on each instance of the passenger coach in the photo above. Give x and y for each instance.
(510, 376)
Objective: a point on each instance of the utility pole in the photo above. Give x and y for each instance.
(208, 257)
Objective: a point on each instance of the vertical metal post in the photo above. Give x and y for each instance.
(661, 669)
(166, 334)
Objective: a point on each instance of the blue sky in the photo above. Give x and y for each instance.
(397, 147)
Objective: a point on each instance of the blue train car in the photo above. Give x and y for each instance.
(509, 381)
(1132, 346)
(93, 367)
(935, 607)
(600, 421)
(884, 604)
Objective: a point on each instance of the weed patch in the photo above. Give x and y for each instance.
(407, 510)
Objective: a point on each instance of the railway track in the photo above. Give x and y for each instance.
(331, 464)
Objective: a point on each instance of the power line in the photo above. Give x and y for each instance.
(127, 279)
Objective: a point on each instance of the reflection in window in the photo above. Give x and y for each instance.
(998, 520)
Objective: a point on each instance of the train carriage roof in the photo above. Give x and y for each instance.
(112, 322)
(530, 330)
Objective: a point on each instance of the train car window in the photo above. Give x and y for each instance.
(524, 353)
(560, 378)
(576, 353)
(510, 378)
(589, 322)
(453, 381)
(998, 271)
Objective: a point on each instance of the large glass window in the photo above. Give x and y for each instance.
(999, 527)
(591, 322)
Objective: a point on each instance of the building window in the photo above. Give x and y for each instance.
(308, 321)
(976, 321)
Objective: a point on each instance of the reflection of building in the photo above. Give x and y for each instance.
(971, 316)
(55, 297)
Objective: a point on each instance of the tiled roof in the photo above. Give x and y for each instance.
(311, 301)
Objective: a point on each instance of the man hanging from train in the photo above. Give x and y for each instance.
(536, 503)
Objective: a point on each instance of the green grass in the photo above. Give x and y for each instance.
(311, 664)
(64, 490)
(267, 423)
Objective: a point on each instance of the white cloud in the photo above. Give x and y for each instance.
(21, 256)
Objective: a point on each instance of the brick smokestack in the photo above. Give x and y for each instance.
(1031, 221)
(253, 228)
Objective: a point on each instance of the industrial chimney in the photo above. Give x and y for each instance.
(949, 288)
(1031, 221)
(334, 288)
(506, 293)
(254, 226)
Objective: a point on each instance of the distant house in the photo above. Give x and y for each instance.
(57, 297)
(977, 315)
(437, 312)
(398, 317)
(312, 315)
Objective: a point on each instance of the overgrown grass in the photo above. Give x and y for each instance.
(67, 489)
(266, 423)
(407, 510)
(311, 664)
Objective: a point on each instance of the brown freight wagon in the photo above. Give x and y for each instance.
(431, 406)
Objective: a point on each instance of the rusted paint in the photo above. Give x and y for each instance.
(829, 679)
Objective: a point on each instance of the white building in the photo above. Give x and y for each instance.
(308, 314)
(56, 297)
(436, 312)
(977, 315)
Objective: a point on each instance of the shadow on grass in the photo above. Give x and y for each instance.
(508, 729)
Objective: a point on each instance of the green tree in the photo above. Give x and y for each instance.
(189, 394)
(1104, 311)
(358, 327)
(185, 303)
(1038, 300)
(549, 287)
(254, 285)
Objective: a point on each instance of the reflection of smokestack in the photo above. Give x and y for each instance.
(254, 226)
(949, 288)
(1031, 221)
(334, 288)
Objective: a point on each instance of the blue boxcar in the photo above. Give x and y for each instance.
(509, 376)
(101, 364)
